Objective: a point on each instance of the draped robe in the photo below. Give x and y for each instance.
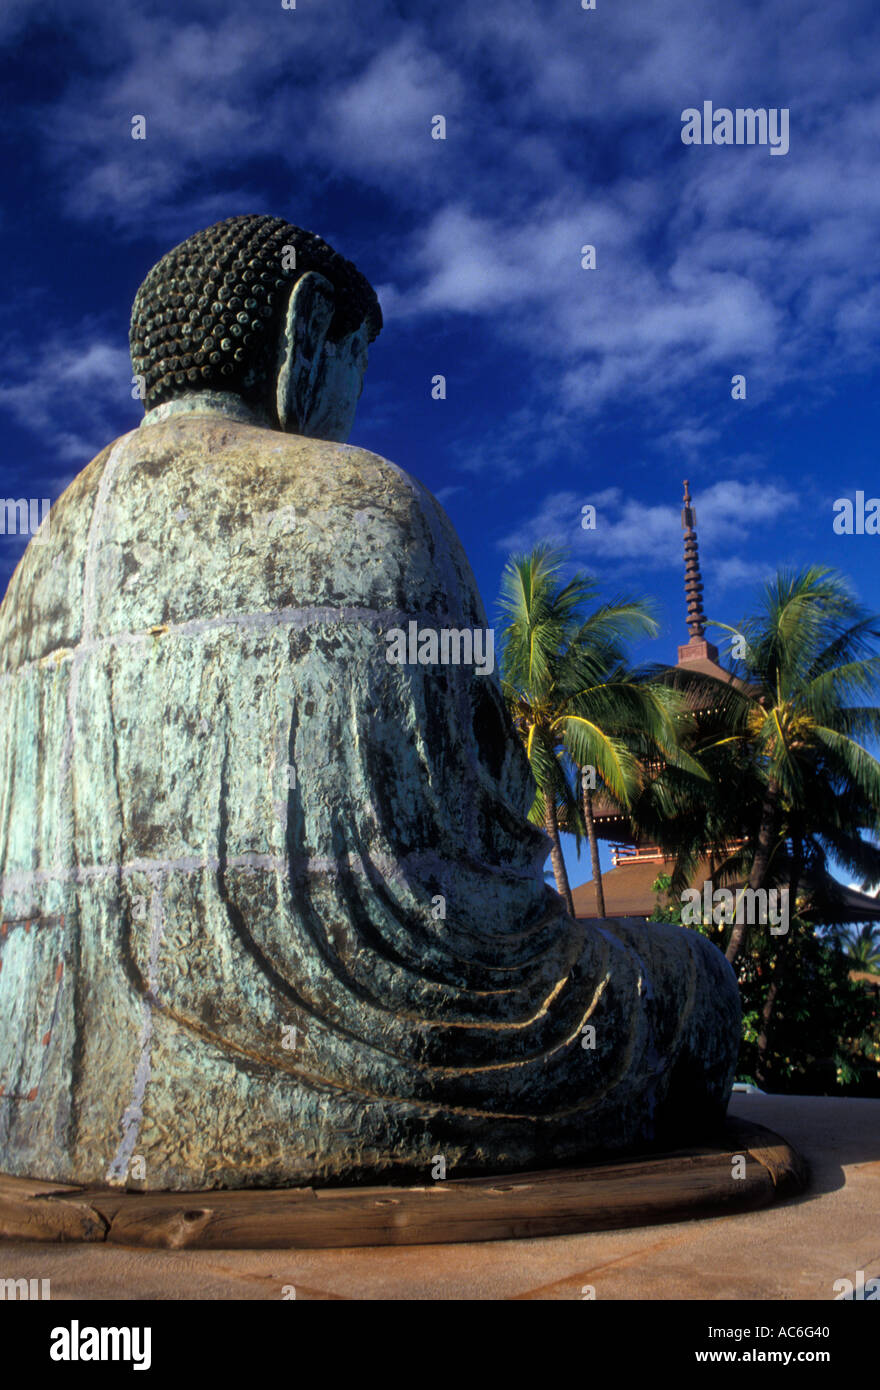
(272, 910)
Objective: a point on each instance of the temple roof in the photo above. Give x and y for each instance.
(701, 656)
(627, 889)
(628, 893)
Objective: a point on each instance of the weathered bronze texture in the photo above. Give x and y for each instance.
(287, 916)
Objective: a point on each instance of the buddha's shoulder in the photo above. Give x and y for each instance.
(249, 460)
(238, 467)
(195, 516)
(202, 502)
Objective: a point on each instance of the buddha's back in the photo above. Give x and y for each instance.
(273, 912)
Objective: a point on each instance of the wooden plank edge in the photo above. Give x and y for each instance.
(50, 1217)
(788, 1169)
(649, 1190)
(161, 1229)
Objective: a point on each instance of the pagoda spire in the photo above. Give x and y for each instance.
(693, 581)
(697, 646)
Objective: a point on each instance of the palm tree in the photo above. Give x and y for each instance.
(573, 699)
(792, 786)
(706, 816)
(862, 945)
(808, 651)
(540, 614)
(627, 729)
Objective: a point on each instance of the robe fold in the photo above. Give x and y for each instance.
(272, 910)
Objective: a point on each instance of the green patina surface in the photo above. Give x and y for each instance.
(224, 816)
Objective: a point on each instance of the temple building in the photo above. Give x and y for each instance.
(636, 864)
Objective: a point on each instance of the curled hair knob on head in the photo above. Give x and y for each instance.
(210, 313)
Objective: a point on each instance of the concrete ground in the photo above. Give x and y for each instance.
(795, 1250)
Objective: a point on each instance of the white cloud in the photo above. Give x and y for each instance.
(632, 536)
(564, 129)
(76, 396)
(379, 123)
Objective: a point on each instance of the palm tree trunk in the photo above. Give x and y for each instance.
(760, 863)
(594, 851)
(766, 1015)
(781, 959)
(551, 825)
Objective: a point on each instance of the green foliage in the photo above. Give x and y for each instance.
(572, 696)
(809, 665)
(559, 661)
(770, 776)
(825, 1036)
(862, 946)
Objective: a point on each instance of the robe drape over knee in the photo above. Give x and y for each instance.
(272, 910)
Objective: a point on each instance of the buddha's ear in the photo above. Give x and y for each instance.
(310, 312)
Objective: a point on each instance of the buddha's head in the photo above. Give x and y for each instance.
(259, 308)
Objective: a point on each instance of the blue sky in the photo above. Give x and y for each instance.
(565, 386)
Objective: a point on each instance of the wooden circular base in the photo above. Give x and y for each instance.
(749, 1167)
